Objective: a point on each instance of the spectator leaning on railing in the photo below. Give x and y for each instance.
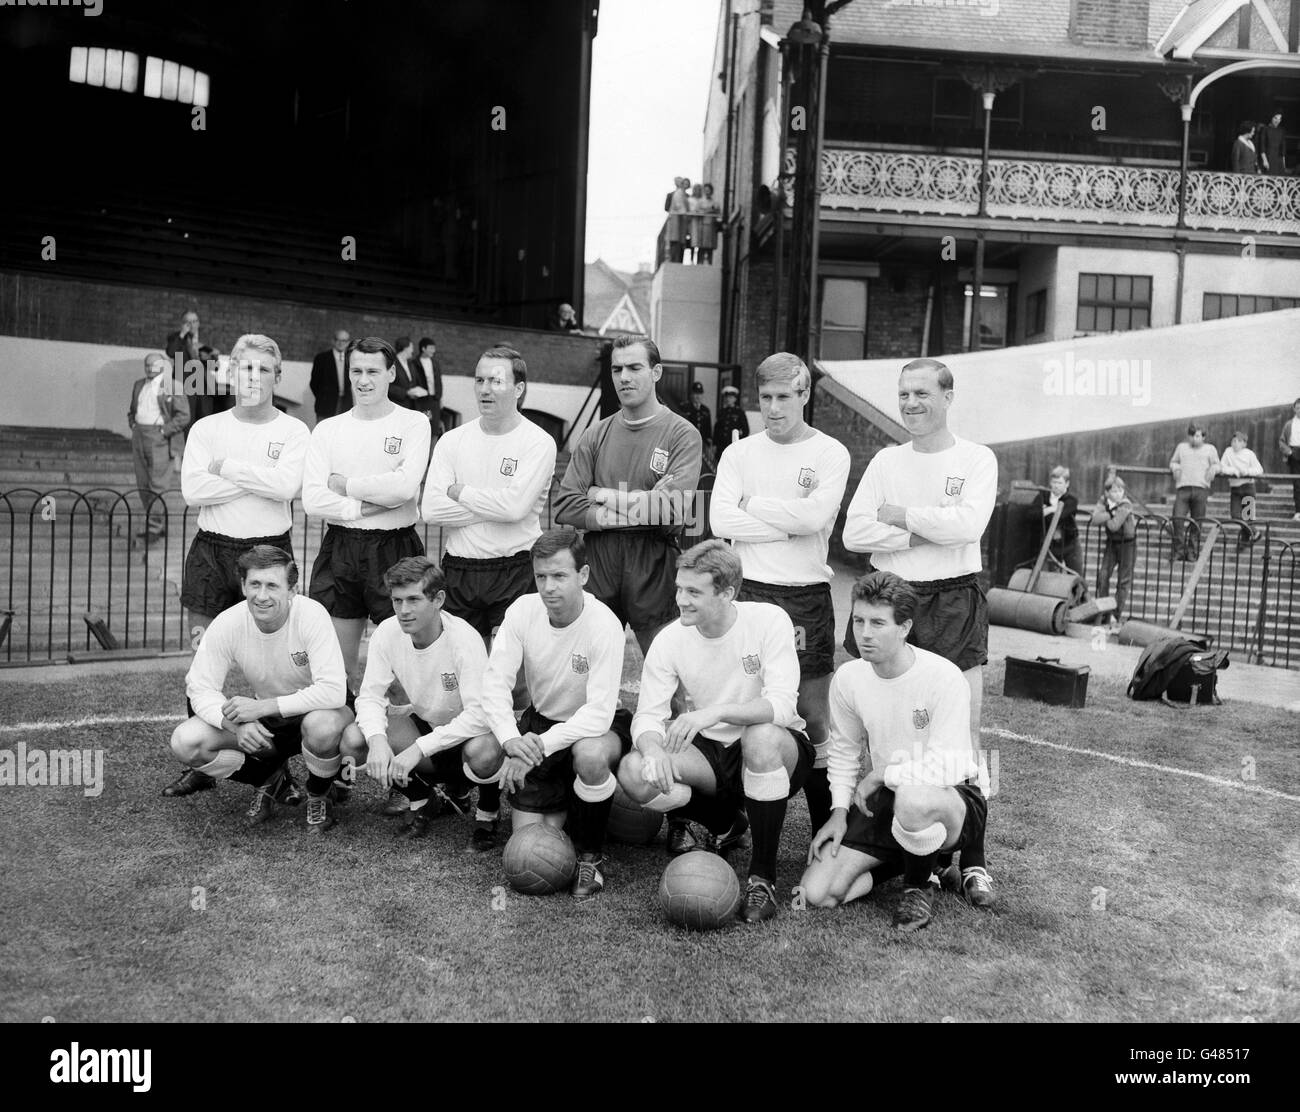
(1241, 465)
(1289, 442)
(1193, 465)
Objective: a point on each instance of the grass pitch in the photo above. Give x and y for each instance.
(1125, 893)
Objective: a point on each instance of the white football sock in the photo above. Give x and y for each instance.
(677, 796)
(921, 842)
(224, 765)
(766, 786)
(594, 793)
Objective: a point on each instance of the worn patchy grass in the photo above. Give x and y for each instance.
(1124, 894)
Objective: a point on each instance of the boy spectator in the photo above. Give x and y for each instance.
(1241, 465)
(1114, 512)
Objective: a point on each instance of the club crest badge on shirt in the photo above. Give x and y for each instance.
(953, 486)
(392, 445)
(273, 449)
(659, 461)
(509, 466)
(449, 681)
(751, 663)
(807, 476)
(579, 663)
(299, 658)
(920, 718)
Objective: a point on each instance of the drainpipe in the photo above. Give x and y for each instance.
(974, 342)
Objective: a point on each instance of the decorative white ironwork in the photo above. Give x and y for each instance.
(1040, 189)
(1244, 202)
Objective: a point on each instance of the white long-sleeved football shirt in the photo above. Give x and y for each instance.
(300, 665)
(506, 479)
(949, 497)
(572, 675)
(916, 726)
(261, 473)
(754, 659)
(440, 680)
(384, 461)
(795, 490)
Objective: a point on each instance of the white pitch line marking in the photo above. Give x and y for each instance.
(1133, 762)
(994, 731)
(83, 723)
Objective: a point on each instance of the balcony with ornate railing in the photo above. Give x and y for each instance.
(895, 181)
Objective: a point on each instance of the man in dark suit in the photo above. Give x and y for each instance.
(410, 386)
(214, 396)
(184, 342)
(428, 363)
(329, 378)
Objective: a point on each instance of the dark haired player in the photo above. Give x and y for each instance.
(911, 709)
(560, 755)
(487, 486)
(630, 484)
(362, 476)
(776, 497)
(920, 511)
(286, 649)
(743, 745)
(439, 660)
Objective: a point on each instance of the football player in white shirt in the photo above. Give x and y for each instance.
(920, 511)
(284, 645)
(776, 497)
(920, 794)
(559, 756)
(487, 485)
(439, 660)
(242, 468)
(734, 760)
(362, 476)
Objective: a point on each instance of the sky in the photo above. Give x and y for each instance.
(651, 68)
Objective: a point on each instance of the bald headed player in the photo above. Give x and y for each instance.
(776, 497)
(362, 475)
(630, 484)
(920, 511)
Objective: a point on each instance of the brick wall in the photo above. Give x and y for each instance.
(895, 315)
(840, 415)
(943, 22)
(42, 308)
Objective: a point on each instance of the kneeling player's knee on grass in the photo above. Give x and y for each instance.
(816, 888)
